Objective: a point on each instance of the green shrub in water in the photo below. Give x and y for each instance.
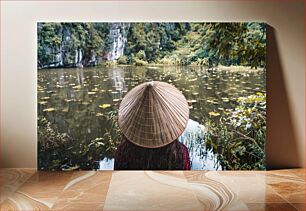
(238, 137)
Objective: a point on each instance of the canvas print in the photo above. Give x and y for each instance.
(151, 96)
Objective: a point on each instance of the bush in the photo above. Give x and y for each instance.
(109, 63)
(139, 62)
(122, 60)
(141, 55)
(238, 137)
(59, 151)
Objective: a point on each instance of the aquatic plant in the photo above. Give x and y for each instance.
(238, 137)
(59, 151)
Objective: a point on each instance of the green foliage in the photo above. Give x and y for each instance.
(141, 55)
(59, 151)
(238, 138)
(122, 60)
(139, 62)
(208, 44)
(58, 42)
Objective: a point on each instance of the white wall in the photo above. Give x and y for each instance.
(18, 63)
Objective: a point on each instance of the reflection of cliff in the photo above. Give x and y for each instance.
(117, 76)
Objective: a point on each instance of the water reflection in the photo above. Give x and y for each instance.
(83, 104)
(118, 82)
(193, 138)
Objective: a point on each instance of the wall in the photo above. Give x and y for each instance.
(285, 64)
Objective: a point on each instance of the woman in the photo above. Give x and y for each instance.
(151, 118)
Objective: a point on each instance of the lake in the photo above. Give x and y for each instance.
(83, 103)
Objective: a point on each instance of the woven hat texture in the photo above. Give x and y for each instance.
(153, 114)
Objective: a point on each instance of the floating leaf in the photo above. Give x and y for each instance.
(224, 99)
(72, 168)
(153, 68)
(49, 109)
(104, 106)
(77, 87)
(212, 113)
(99, 114)
(68, 100)
(191, 101)
(43, 102)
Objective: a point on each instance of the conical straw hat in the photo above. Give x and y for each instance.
(153, 114)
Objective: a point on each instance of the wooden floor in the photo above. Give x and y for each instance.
(28, 189)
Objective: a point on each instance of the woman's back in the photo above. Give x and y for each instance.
(173, 156)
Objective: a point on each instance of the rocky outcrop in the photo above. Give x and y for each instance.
(117, 40)
(67, 46)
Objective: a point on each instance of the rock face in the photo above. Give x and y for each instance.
(117, 40)
(65, 46)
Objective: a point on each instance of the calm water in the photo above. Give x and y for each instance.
(83, 102)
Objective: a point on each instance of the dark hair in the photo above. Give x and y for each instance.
(173, 156)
